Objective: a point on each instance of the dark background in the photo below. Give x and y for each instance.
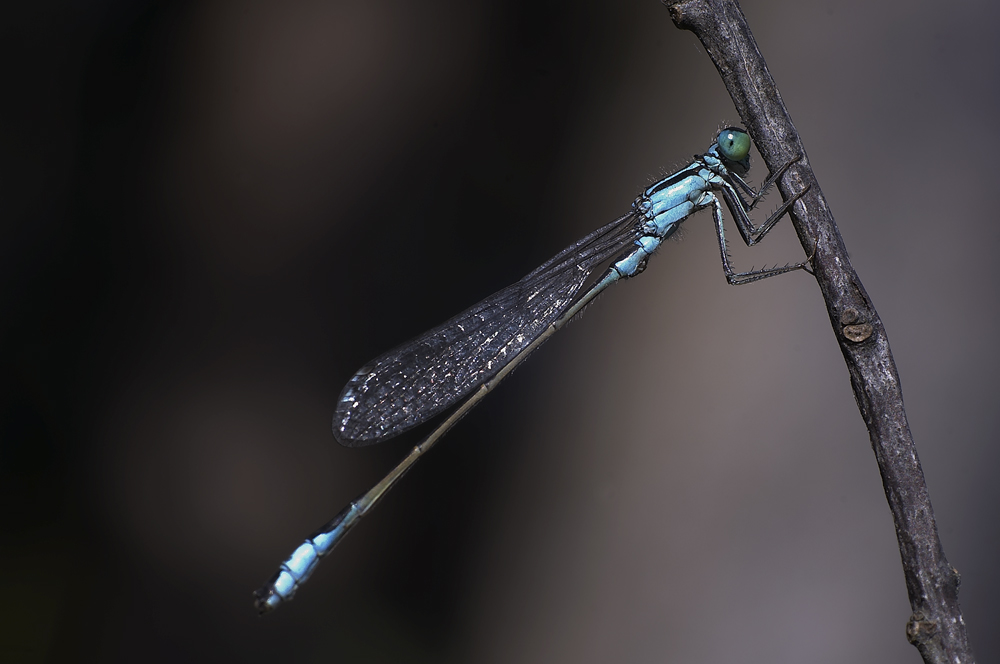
(214, 212)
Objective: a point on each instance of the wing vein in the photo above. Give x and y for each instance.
(419, 379)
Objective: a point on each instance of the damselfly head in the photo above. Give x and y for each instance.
(734, 146)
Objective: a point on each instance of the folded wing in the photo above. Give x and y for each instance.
(418, 380)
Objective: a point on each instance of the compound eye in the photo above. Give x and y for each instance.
(734, 144)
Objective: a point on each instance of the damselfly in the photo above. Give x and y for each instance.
(468, 355)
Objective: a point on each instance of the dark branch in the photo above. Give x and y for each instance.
(936, 627)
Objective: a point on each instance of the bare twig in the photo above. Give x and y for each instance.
(936, 626)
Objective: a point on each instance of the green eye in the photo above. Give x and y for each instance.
(734, 144)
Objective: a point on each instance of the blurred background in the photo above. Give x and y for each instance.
(215, 212)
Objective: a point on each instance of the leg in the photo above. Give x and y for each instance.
(773, 219)
(739, 278)
(755, 196)
(752, 234)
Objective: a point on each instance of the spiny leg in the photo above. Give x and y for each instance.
(753, 234)
(756, 196)
(764, 228)
(740, 278)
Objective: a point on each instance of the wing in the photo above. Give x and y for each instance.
(416, 381)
